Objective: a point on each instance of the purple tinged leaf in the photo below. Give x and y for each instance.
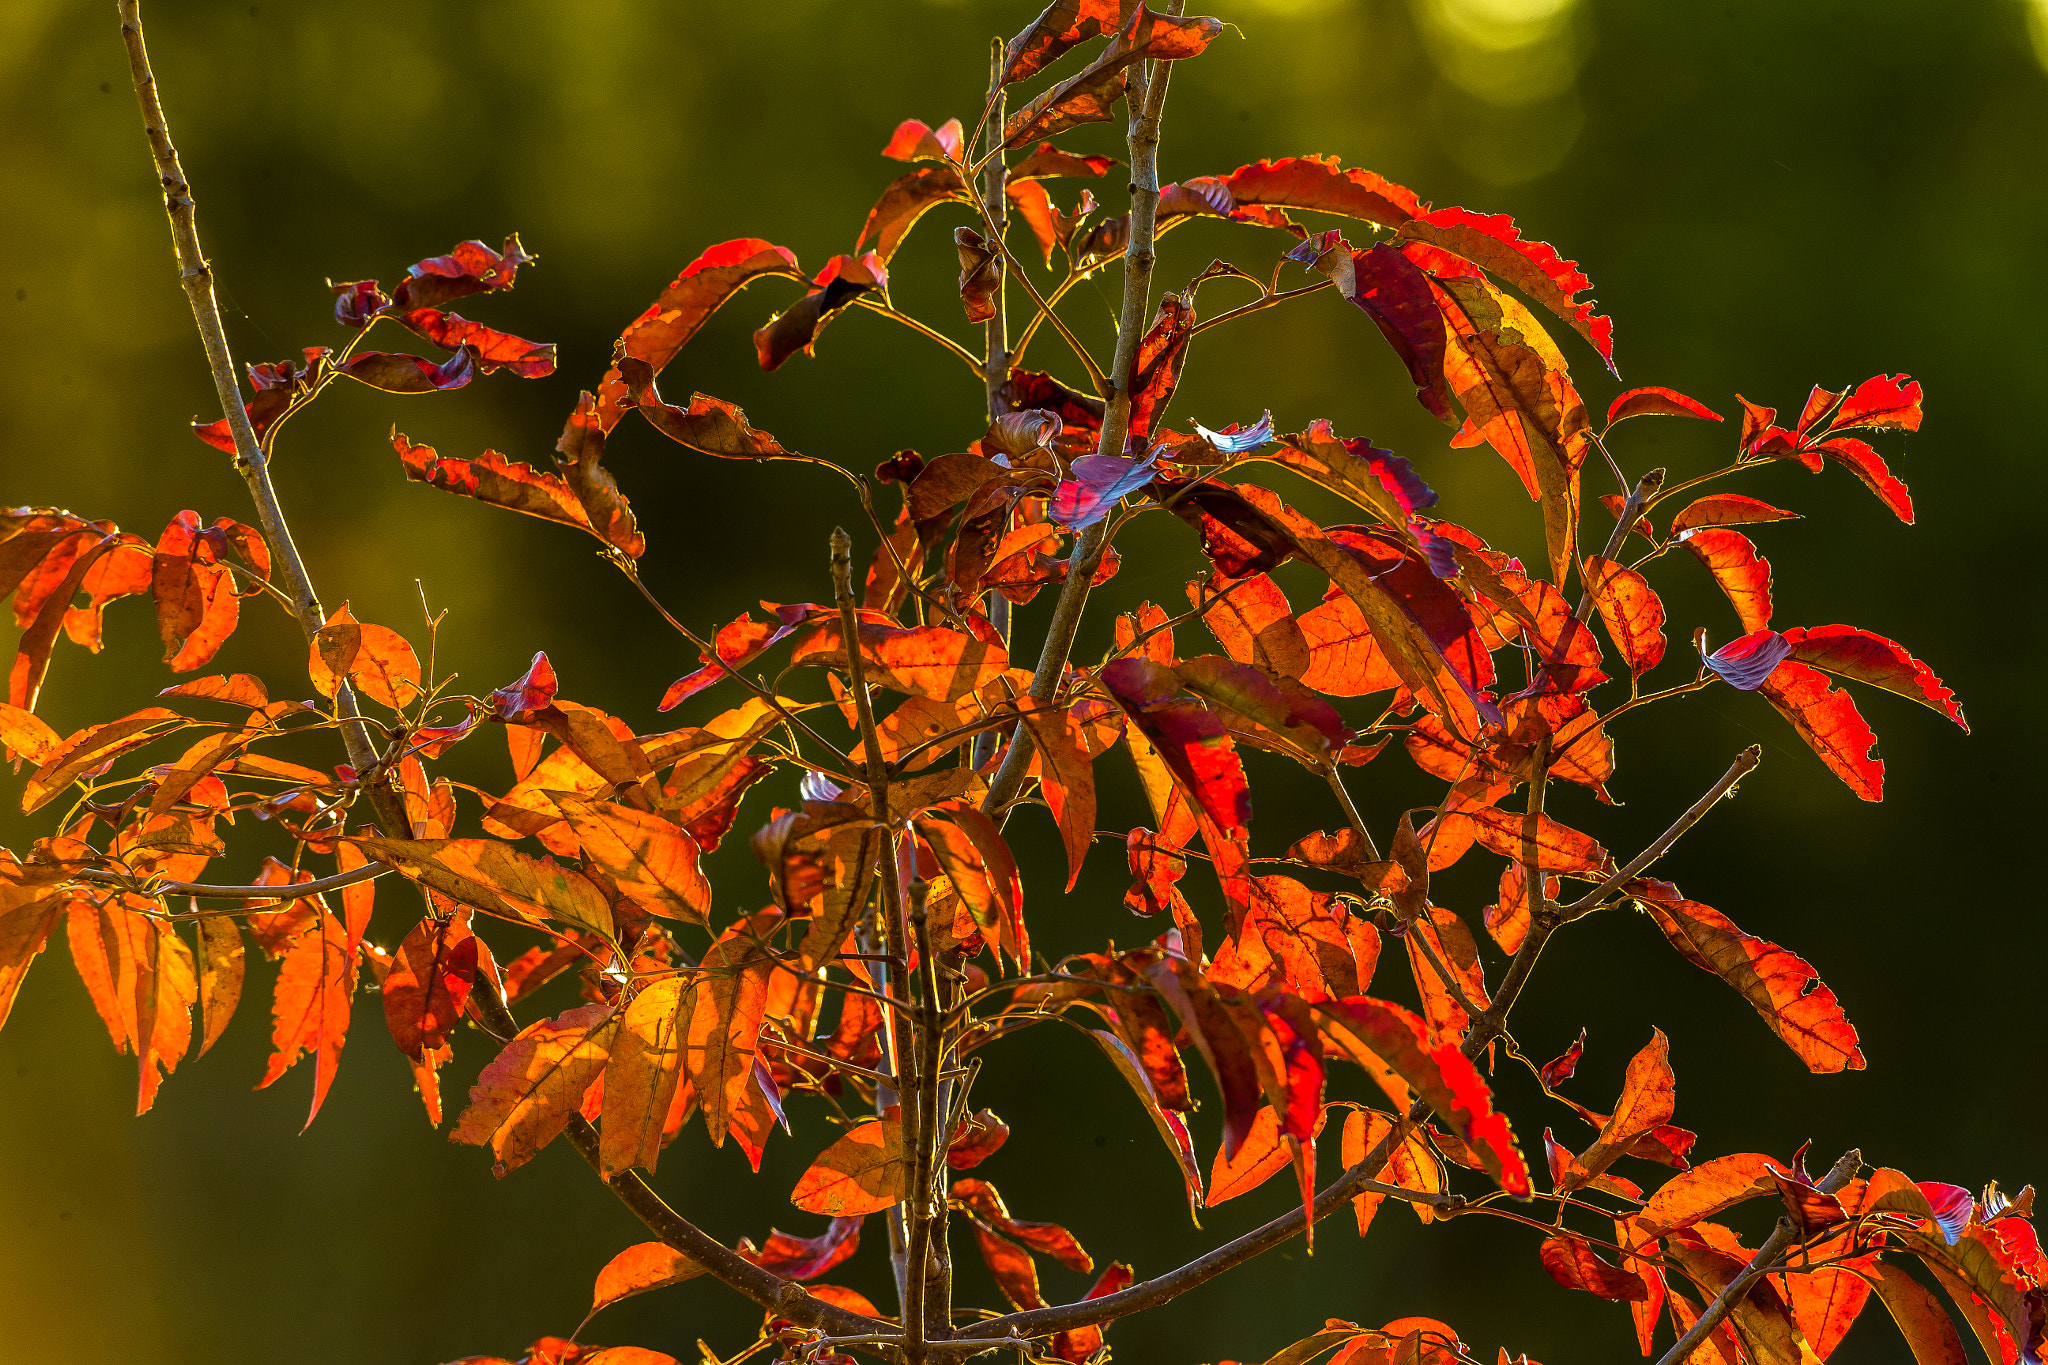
(1952, 1205)
(1235, 440)
(1100, 480)
(357, 301)
(1746, 662)
(395, 373)
(818, 787)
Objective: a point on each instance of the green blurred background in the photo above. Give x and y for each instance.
(1767, 196)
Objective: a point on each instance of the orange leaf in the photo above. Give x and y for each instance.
(1743, 574)
(863, 1172)
(141, 979)
(1827, 719)
(221, 964)
(499, 880)
(1779, 985)
(637, 1269)
(93, 746)
(651, 860)
(1647, 1098)
(645, 1074)
(1632, 613)
(375, 660)
(725, 1026)
(527, 1094)
(311, 1010)
(924, 661)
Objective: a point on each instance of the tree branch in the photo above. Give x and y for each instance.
(1146, 93)
(196, 276)
(1484, 1029)
(206, 891)
(995, 365)
(1781, 1237)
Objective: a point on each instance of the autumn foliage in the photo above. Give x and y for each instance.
(874, 745)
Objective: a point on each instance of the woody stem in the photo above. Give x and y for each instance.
(1146, 95)
(195, 274)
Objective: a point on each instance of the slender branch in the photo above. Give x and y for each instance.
(1740, 768)
(1336, 780)
(710, 652)
(1533, 894)
(206, 891)
(1257, 305)
(1146, 93)
(1484, 1029)
(918, 325)
(995, 365)
(1782, 1236)
(196, 276)
(910, 1276)
(1101, 381)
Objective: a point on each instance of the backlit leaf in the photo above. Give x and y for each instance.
(375, 660)
(311, 1012)
(1828, 721)
(863, 1172)
(1743, 574)
(528, 1093)
(1779, 985)
(639, 1268)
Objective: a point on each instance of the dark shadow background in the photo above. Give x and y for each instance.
(1767, 195)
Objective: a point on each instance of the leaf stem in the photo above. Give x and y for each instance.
(1257, 305)
(206, 891)
(919, 325)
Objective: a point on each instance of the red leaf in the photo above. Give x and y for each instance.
(489, 348)
(428, 985)
(1321, 183)
(843, 280)
(1155, 370)
(1190, 736)
(1779, 985)
(1081, 1344)
(1866, 464)
(196, 606)
(1533, 267)
(579, 456)
(914, 140)
(981, 273)
(1828, 721)
(1887, 401)
(738, 643)
(1743, 574)
(1632, 613)
(1864, 657)
(671, 320)
(1728, 509)
(409, 373)
(710, 425)
(1441, 1076)
(903, 203)
(987, 1205)
(806, 1258)
(1089, 96)
(1573, 1263)
(1654, 402)
(1064, 25)
(471, 268)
